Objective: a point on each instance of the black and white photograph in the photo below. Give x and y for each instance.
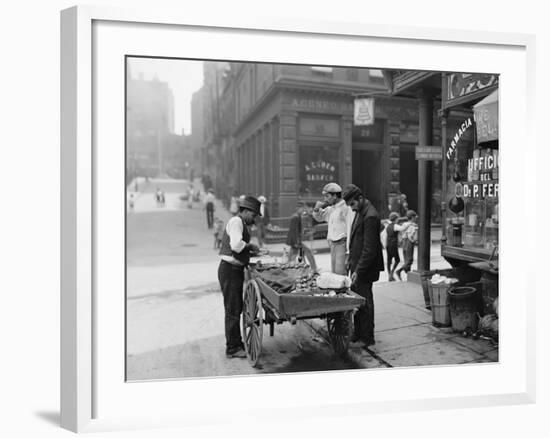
(285, 218)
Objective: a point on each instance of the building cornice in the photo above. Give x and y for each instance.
(342, 89)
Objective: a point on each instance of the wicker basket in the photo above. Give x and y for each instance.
(441, 316)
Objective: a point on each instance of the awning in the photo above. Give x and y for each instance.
(486, 118)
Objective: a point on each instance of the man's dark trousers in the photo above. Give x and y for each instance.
(231, 278)
(210, 214)
(364, 317)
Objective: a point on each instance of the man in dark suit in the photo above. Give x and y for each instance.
(365, 260)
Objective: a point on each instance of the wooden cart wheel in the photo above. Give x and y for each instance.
(339, 327)
(252, 321)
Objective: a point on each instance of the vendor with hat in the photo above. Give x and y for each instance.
(339, 216)
(235, 253)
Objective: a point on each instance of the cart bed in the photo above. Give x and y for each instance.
(306, 304)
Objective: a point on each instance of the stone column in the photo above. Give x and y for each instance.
(444, 114)
(239, 169)
(288, 144)
(394, 133)
(268, 167)
(346, 174)
(275, 169)
(261, 162)
(425, 131)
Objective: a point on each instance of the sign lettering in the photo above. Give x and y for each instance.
(319, 171)
(483, 166)
(320, 105)
(429, 153)
(458, 135)
(480, 190)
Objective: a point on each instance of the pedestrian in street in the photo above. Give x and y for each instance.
(190, 194)
(218, 233)
(365, 260)
(295, 237)
(392, 246)
(235, 253)
(338, 215)
(209, 207)
(410, 239)
(262, 220)
(158, 196)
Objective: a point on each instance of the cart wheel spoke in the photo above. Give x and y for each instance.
(253, 344)
(252, 322)
(253, 307)
(339, 329)
(258, 341)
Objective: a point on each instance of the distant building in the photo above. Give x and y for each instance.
(215, 133)
(149, 125)
(196, 140)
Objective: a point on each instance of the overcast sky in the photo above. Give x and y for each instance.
(183, 77)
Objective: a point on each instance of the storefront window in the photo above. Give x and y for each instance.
(459, 147)
(480, 197)
(474, 223)
(319, 165)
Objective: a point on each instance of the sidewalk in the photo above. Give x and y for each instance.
(405, 335)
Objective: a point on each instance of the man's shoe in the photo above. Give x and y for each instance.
(398, 273)
(369, 342)
(240, 353)
(356, 339)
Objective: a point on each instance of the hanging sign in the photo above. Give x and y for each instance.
(459, 88)
(429, 153)
(486, 118)
(458, 135)
(363, 111)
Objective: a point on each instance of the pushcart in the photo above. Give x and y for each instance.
(263, 305)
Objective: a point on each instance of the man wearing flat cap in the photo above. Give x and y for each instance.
(338, 215)
(235, 252)
(365, 260)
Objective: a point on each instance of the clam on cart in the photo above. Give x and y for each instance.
(274, 293)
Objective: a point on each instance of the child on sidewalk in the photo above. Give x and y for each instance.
(410, 239)
(392, 251)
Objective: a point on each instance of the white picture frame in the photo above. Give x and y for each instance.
(93, 397)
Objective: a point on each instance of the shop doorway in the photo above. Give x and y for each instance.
(367, 167)
(408, 174)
